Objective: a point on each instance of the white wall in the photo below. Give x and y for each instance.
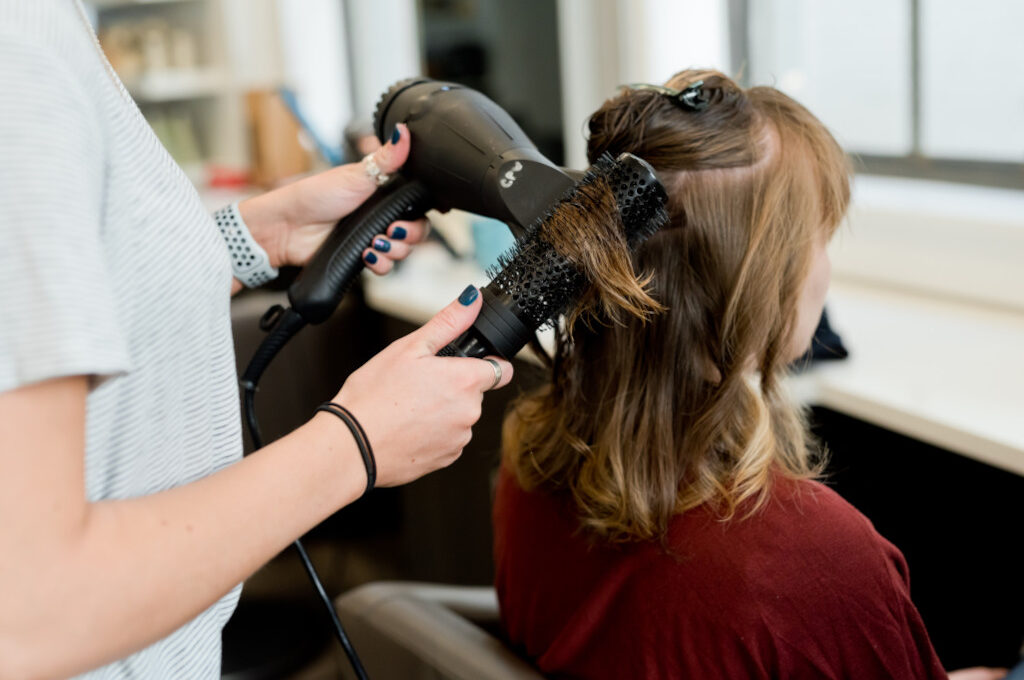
(588, 42)
(662, 37)
(384, 48)
(848, 62)
(339, 57)
(607, 43)
(313, 35)
(972, 72)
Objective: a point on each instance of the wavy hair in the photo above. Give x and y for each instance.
(648, 415)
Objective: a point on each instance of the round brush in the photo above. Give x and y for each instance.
(617, 205)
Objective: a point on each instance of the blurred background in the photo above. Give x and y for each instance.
(917, 89)
(925, 419)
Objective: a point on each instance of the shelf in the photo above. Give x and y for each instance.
(117, 4)
(176, 85)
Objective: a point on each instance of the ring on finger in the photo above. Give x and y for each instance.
(497, 373)
(373, 170)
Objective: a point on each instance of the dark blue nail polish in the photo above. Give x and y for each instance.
(371, 258)
(468, 296)
(398, 233)
(381, 244)
(396, 135)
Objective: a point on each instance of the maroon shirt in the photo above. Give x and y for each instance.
(805, 589)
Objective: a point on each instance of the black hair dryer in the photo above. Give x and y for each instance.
(467, 153)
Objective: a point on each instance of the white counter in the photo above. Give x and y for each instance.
(946, 373)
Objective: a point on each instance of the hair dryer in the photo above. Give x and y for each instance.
(467, 153)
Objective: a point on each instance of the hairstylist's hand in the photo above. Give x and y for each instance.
(418, 409)
(290, 223)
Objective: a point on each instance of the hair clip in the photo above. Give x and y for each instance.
(693, 97)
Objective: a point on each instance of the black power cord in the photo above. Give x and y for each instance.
(282, 325)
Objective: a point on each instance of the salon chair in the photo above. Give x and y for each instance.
(420, 631)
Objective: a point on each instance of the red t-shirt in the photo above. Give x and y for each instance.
(805, 589)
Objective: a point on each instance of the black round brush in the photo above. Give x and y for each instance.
(618, 200)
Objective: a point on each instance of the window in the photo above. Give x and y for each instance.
(927, 88)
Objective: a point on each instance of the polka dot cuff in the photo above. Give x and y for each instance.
(249, 261)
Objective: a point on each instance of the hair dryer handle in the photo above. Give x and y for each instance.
(332, 269)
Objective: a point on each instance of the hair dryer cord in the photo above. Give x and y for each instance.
(287, 324)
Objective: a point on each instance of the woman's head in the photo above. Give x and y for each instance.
(648, 417)
(755, 182)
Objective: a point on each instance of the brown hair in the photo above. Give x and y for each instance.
(647, 416)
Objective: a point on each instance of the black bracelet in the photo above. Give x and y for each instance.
(359, 434)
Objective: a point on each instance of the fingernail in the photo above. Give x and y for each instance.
(371, 258)
(468, 295)
(396, 135)
(381, 244)
(398, 233)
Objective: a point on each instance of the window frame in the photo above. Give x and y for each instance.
(916, 164)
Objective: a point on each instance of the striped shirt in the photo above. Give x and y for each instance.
(111, 268)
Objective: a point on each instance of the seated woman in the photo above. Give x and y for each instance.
(656, 515)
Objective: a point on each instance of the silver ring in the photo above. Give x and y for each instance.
(497, 373)
(373, 170)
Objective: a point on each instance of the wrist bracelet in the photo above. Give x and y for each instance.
(249, 262)
(359, 434)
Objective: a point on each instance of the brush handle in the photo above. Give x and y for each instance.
(496, 331)
(329, 274)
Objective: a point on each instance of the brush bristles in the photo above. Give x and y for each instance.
(641, 200)
(576, 259)
(539, 282)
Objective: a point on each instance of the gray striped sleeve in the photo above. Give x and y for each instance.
(57, 311)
